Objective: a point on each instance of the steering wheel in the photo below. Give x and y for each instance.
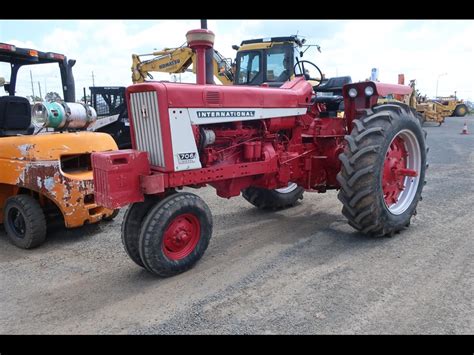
(300, 65)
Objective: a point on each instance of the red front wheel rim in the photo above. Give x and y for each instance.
(401, 171)
(181, 236)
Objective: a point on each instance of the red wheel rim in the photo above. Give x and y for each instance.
(395, 170)
(181, 236)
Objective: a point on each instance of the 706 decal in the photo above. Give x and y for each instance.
(186, 158)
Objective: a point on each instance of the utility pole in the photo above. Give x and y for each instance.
(93, 82)
(39, 86)
(32, 86)
(437, 81)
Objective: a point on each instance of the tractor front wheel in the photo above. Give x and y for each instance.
(274, 199)
(383, 170)
(131, 225)
(175, 234)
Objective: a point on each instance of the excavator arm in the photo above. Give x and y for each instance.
(177, 60)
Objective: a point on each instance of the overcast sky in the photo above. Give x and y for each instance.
(430, 51)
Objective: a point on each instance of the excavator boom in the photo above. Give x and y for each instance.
(175, 61)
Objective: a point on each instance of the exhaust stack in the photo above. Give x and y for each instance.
(200, 40)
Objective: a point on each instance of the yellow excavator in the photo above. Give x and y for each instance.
(266, 61)
(269, 61)
(178, 60)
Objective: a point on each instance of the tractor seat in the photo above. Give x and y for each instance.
(15, 116)
(334, 85)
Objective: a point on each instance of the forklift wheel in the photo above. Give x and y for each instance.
(24, 221)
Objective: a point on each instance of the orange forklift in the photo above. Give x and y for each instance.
(45, 165)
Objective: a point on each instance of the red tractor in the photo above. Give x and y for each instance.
(271, 144)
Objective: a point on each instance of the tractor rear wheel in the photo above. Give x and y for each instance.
(131, 224)
(273, 199)
(383, 170)
(461, 110)
(24, 221)
(175, 234)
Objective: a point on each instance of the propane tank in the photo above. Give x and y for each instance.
(63, 115)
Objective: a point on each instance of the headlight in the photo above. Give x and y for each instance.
(352, 92)
(369, 91)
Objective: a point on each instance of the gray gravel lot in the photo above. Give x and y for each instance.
(301, 270)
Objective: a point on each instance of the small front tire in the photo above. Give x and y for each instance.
(131, 225)
(24, 221)
(175, 234)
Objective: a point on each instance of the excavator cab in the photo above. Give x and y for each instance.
(272, 61)
(268, 61)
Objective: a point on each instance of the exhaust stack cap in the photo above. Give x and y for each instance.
(201, 38)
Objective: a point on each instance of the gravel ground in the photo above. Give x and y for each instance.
(301, 270)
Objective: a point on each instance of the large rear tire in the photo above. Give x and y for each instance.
(273, 199)
(383, 170)
(175, 234)
(461, 110)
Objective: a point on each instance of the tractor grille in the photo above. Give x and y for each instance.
(146, 121)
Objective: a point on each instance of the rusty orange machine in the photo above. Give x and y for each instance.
(46, 174)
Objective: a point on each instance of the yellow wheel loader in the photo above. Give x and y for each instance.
(452, 105)
(45, 175)
(428, 110)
